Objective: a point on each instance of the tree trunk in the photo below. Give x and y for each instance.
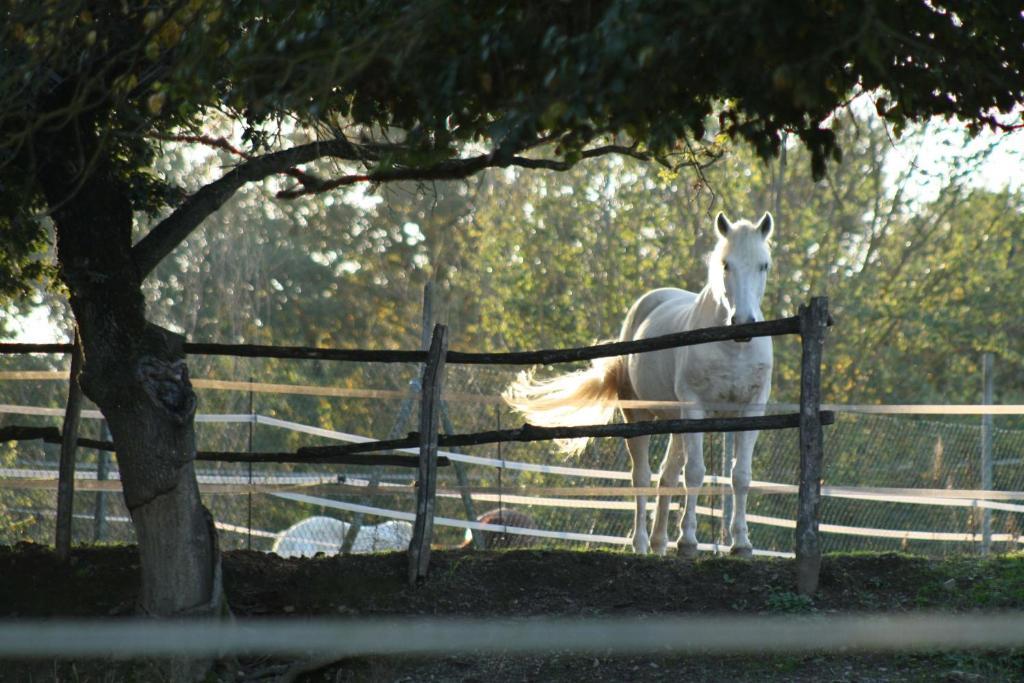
(151, 420)
(134, 371)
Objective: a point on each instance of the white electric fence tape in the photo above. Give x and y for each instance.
(392, 394)
(285, 486)
(454, 457)
(121, 519)
(463, 524)
(935, 497)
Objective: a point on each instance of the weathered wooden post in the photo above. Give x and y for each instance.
(460, 471)
(66, 472)
(813, 321)
(987, 395)
(99, 517)
(430, 412)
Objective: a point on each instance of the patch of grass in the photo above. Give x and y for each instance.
(966, 582)
(1001, 583)
(872, 555)
(788, 602)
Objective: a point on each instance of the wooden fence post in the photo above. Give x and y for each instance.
(430, 411)
(987, 393)
(460, 471)
(66, 472)
(99, 516)
(813, 322)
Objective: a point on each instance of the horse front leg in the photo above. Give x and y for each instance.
(741, 475)
(638, 448)
(670, 469)
(687, 544)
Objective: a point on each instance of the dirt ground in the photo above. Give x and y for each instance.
(104, 582)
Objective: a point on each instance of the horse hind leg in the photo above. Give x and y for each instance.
(638, 448)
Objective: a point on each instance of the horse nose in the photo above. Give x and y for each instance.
(733, 321)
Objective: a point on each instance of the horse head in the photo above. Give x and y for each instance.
(738, 267)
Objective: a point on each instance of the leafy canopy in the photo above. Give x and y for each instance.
(434, 89)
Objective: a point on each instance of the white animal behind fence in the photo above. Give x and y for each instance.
(701, 376)
(325, 535)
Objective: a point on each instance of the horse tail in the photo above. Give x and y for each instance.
(574, 399)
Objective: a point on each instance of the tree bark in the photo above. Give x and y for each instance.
(133, 370)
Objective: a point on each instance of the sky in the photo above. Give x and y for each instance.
(1001, 169)
(35, 328)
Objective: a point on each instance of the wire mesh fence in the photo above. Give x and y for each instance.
(860, 450)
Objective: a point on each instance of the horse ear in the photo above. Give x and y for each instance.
(722, 224)
(767, 225)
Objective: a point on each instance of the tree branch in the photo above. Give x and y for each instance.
(171, 231)
(457, 169)
(224, 144)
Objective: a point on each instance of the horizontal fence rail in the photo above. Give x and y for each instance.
(356, 456)
(304, 353)
(525, 433)
(528, 432)
(9, 348)
(767, 328)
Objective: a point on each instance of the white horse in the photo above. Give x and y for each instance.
(720, 378)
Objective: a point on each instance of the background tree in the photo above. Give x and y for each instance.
(555, 258)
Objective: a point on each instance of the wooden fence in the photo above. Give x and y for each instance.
(810, 324)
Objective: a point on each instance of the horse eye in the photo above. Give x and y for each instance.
(725, 265)
(764, 267)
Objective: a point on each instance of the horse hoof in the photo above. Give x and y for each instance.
(745, 553)
(687, 552)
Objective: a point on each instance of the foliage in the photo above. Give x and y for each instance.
(540, 259)
(401, 87)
